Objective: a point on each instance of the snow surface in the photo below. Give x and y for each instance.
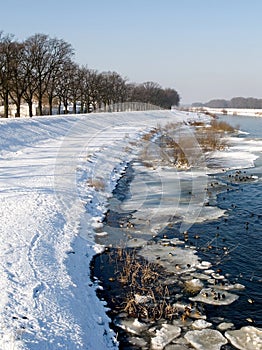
(52, 173)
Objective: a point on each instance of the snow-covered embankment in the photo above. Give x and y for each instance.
(48, 213)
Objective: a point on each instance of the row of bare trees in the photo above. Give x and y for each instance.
(41, 69)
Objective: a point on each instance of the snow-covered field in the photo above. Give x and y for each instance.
(230, 111)
(51, 169)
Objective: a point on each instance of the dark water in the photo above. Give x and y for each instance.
(241, 232)
(234, 240)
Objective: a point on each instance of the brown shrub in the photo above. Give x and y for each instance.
(221, 126)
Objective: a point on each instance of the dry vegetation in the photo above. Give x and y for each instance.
(146, 295)
(221, 126)
(211, 137)
(97, 184)
(148, 136)
(165, 150)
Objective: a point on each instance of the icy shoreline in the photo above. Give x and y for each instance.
(208, 296)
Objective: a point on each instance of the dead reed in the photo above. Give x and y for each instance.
(146, 295)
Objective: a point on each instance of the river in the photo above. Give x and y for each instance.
(224, 229)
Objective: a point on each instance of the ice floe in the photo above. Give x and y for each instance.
(164, 336)
(173, 259)
(206, 339)
(201, 324)
(133, 326)
(223, 326)
(194, 285)
(213, 297)
(246, 338)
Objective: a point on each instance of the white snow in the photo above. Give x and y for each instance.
(47, 300)
(231, 111)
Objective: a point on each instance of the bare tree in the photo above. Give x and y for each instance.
(20, 76)
(153, 93)
(41, 69)
(6, 59)
(64, 86)
(47, 57)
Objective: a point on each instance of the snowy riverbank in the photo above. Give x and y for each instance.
(229, 111)
(48, 213)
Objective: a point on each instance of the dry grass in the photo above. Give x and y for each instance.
(211, 137)
(221, 126)
(213, 115)
(97, 184)
(165, 150)
(143, 279)
(148, 136)
(197, 123)
(210, 140)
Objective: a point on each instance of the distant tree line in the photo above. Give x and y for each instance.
(41, 69)
(235, 102)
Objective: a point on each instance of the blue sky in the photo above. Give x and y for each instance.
(203, 48)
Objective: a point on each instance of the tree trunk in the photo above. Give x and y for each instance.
(6, 105)
(17, 115)
(82, 107)
(59, 107)
(50, 106)
(40, 106)
(30, 105)
(74, 107)
(66, 107)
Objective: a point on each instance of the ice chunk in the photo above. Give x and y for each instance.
(142, 299)
(173, 259)
(140, 342)
(135, 242)
(225, 325)
(204, 265)
(246, 338)
(98, 248)
(194, 285)
(132, 325)
(164, 336)
(201, 276)
(217, 276)
(206, 339)
(201, 324)
(176, 347)
(214, 297)
(236, 286)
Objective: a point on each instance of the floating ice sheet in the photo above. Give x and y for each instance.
(246, 338)
(164, 336)
(201, 324)
(214, 297)
(173, 259)
(206, 339)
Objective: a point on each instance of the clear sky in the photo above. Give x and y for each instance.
(204, 49)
